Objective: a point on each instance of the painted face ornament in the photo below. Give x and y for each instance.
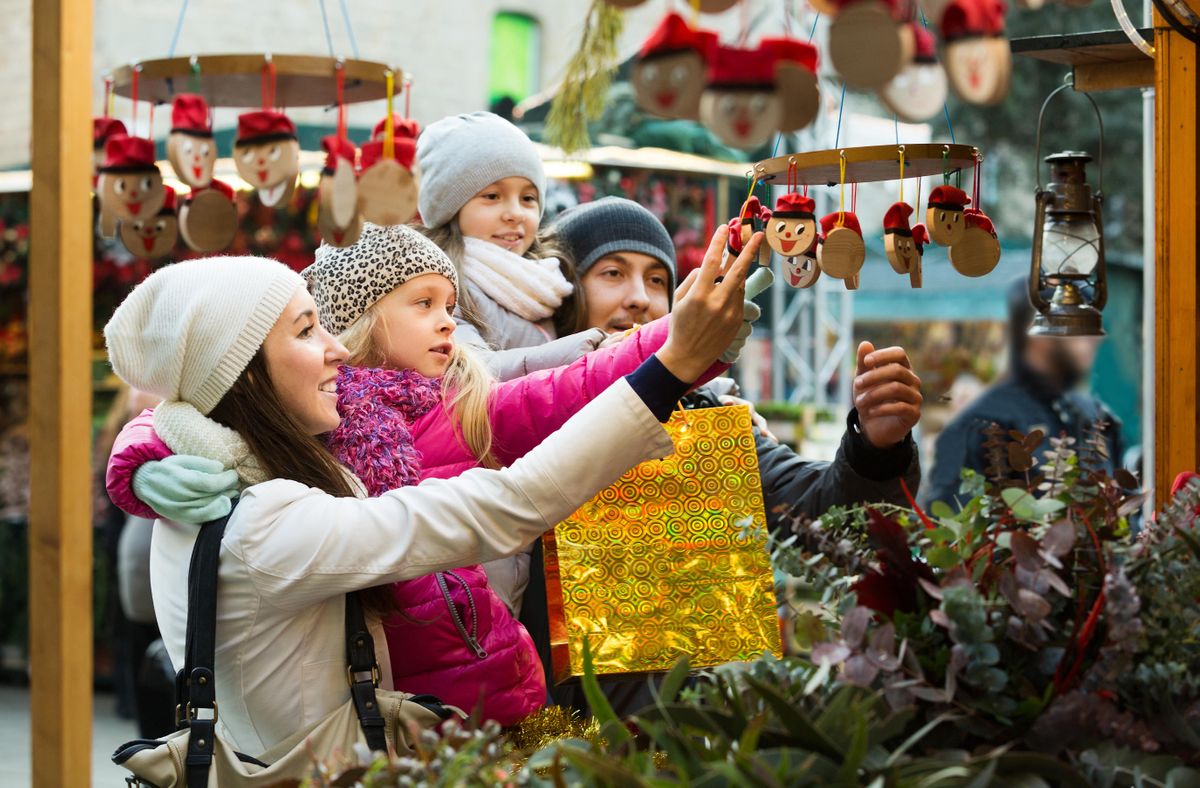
(842, 252)
(803, 270)
(920, 239)
(190, 145)
(130, 185)
(153, 238)
(102, 129)
(751, 219)
(867, 45)
(979, 250)
(918, 92)
(740, 103)
(898, 241)
(208, 218)
(338, 219)
(792, 228)
(267, 155)
(388, 187)
(668, 77)
(977, 56)
(795, 80)
(944, 215)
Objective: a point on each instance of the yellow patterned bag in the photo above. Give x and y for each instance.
(671, 560)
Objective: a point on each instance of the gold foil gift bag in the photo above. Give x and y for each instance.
(671, 560)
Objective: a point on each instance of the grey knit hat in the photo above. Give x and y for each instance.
(346, 281)
(609, 225)
(462, 154)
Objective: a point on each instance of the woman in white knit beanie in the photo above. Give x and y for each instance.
(235, 349)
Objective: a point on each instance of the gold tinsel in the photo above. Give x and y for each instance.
(584, 88)
(551, 724)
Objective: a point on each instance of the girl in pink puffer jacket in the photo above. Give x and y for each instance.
(414, 406)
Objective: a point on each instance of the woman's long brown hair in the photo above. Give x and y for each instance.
(284, 449)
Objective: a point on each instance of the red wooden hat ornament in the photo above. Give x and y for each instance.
(944, 214)
(130, 186)
(153, 238)
(338, 220)
(795, 80)
(842, 252)
(977, 56)
(389, 185)
(740, 103)
(668, 77)
(918, 92)
(898, 241)
(208, 218)
(978, 252)
(267, 155)
(792, 228)
(190, 146)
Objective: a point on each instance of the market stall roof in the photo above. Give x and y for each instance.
(646, 159)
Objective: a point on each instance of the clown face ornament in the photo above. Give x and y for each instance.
(154, 238)
(267, 155)
(897, 238)
(740, 104)
(190, 145)
(792, 228)
(979, 250)
(918, 92)
(795, 80)
(944, 215)
(802, 270)
(130, 185)
(669, 75)
(977, 56)
(208, 218)
(842, 252)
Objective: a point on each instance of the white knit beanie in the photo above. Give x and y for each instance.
(460, 155)
(188, 331)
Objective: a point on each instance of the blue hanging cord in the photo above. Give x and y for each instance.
(349, 29)
(945, 106)
(178, 29)
(813, 32)
(325, 23)
(896, 126)
(837, 138)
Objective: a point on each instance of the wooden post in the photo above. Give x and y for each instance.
(60, 328)
(1177, 258)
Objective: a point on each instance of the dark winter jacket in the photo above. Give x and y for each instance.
(1022, 401)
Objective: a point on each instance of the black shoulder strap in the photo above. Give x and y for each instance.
(363, 671)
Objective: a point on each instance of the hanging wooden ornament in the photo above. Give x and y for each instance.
(898, 241)
(792, 227)
(842, 252)
(267, 155)
(978, 252)
(338, 219)
(751, 219)
(388, 186)
(190, 145)
(920, 239)
(867, 45)
(944, 214)
(918, 92)
(130, 185)
(208, 218)
(153, 238)
(102, 129)
(668, 76)
(977, 56)
(740, 104)
(803, 271)
(795, 80)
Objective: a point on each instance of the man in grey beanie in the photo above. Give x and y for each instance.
(625, 261)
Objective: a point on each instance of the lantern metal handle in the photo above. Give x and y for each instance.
(1037, 162)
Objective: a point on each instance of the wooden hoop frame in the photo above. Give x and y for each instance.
(868, 164)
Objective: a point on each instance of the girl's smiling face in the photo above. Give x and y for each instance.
(415, 328)
(505, 213)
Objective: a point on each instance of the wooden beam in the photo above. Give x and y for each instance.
(1096, 77)
(60, 328)
(1177, 258)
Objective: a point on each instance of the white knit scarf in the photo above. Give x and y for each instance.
(531, 289)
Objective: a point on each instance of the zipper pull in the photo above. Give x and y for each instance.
(478, 649)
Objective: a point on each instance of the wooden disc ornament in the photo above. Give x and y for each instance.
(153, 238)
(918, 92)
(791, 229)
(740, 104)
(669, 75)
(842, 252)
(130, 185)
(978, 252)
(898, 241)
(388, 186)
(867, 45)
(208, 218)
(977, 56)
(190, 145)
(337, 194)
(267, 155)
(802, 271)
(795, 80)
(944, 214)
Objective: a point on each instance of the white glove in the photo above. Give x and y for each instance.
(750, 313)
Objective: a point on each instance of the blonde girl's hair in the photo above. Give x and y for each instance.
(466, 386)
(450, 239)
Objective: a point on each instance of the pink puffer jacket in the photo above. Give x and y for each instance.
(395, 431)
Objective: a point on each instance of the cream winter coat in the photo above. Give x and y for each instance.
(290, 554)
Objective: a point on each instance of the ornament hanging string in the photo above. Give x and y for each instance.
(901, 173)
(854, 198)
(389, 133)
(695, 13)
(267, 86)
(842, 193)
(945, 106)
(750, 193)
(837, 137)
(945, 165)
(407, 96)
(976, 176)
(133, 98)
(793, 180)
(194, 75)
(340, 74)
(108, 97)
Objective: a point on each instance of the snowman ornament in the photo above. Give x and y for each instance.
(668, 77)
(190, 145)
(267, 155)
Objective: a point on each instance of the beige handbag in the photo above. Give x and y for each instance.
(196, 756)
